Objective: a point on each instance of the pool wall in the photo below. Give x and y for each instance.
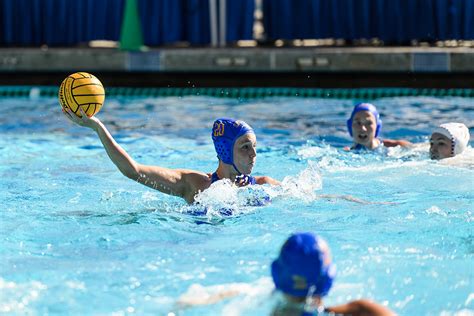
(322, 67)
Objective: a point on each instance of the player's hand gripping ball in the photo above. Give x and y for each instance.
(84, 90)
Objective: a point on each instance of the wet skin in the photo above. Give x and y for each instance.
(364, 126)
(440, 147)
(245, 153)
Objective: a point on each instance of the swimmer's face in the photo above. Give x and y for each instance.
(364, 126)
(245, 152)
(440, 147)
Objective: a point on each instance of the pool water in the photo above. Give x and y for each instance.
(79, 238)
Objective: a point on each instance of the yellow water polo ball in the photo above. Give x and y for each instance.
(82, 89)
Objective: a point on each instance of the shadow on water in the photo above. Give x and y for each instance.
(148, 216)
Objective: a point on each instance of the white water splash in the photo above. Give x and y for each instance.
(224, 195)
(436, 210)
(463, 160)
(333, 160)
(304, 185)
(417, 152)
(220, 195)
(402, 303)
(308, 151)
(469, 299)
(463, 312)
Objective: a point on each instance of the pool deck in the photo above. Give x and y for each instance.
(259, 66)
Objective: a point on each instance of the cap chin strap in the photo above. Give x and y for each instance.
(235, 167)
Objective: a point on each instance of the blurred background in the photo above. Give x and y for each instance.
(207, 43)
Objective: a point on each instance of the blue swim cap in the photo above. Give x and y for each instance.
(225, 132)
(365, 107)
(304, 265)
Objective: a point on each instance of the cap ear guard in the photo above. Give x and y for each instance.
(223, 151)
(326, 280)
(349, 126)
(458, 133)
(285, 282)
(379, 126)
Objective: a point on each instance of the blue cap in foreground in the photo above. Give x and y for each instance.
(304, 266)
(365, 107)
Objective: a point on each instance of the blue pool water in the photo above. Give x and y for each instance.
(79, 238)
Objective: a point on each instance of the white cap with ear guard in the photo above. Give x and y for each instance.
(458, 133)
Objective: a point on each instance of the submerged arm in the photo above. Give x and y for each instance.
(351, 198)
(361, 308)
(394, 143)
(207, 295)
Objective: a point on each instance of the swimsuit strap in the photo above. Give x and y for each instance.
(214, 177)
(359, 146)
(249, 180)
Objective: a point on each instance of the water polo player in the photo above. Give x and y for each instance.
(448, 140)
(365, 125)
(304, 273)
(235, 143)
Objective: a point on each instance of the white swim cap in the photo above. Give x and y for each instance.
(458, 133)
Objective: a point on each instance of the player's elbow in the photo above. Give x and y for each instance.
(131, 171)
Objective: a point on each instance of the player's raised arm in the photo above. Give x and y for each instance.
(177, 182)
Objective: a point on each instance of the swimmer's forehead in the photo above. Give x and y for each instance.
(438, 136)
(364, 115)
(247, 138)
